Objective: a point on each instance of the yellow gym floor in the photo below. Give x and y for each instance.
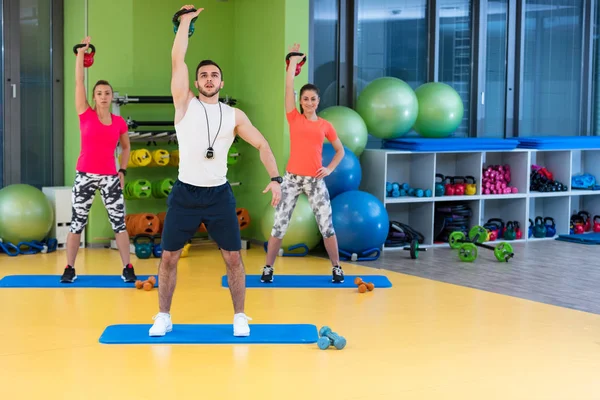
(421, 339)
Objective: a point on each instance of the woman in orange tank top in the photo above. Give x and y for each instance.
(304, 171)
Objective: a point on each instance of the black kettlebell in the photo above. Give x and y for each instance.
(510, 233)
(550, 228)
(144, 245)
(539, 229)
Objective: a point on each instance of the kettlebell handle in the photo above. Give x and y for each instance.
(136, 238)
(549, 219)
(470, 178)
(179, 13)
(442, 177)
(541, 221)
(80, 45)
(295, 53)
(597, 219)
(584, 215)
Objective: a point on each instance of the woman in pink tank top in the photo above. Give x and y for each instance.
(101, 132)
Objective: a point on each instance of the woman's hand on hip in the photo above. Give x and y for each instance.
(322, 172)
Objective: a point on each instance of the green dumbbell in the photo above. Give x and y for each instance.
(328, 338)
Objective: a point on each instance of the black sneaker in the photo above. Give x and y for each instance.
(267, 275)
(129, 274)
(338, 274)
(69, 275)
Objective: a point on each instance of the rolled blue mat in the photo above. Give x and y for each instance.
(211, 334)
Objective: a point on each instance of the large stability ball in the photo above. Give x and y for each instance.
(389, 107)
(349, 126)
(360, 221)
(346, 176)
(303, 228)
(25, 214)
(440, 110)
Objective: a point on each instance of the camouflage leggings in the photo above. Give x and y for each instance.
(318, 198)
(82, 197)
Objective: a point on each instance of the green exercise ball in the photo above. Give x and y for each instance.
(349, 126)
(25, 214)
(440, 110)
(303, 228)
(388, 106)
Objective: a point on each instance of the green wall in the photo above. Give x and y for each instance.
(133, 40)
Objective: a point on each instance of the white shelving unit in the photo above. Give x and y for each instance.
(418, 169)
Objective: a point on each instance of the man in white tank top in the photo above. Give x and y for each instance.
(205, 130)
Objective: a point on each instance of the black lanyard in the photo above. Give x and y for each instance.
(210, 153)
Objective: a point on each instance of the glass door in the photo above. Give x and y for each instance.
(32, 134)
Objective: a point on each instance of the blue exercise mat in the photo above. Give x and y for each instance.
(311, 281)
(450, 144)
(82, 281)
(559, 142)
(583, 238)
(212, 334)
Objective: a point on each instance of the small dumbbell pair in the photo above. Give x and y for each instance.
(363, 286)
(328, 338)
(147, 284)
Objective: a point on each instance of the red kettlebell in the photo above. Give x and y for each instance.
(299, 65)
(597, 223)
(449, 187)
(459, 187)
(492, 235)
(587, 220)
(88, 58)
(518, 232)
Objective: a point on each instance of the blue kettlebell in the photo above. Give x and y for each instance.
(143, 245)
(550, 228)
(530, 230)
(157, 250)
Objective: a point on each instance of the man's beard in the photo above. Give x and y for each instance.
(208, 94)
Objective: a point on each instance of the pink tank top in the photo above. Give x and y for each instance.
(98, 143)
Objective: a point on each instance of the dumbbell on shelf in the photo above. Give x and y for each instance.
(363, 286)
(328, 338)
(496, 180)
(394, 189)
(542, 180)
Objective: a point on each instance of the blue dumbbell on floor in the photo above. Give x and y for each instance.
(328, 338)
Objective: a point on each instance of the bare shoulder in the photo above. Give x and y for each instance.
(241, 118)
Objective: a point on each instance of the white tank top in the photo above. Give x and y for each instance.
(192, 136)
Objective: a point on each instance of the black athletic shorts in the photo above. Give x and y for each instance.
(189, 206)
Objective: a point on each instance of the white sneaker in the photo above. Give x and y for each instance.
(240, 325)
(162, 324)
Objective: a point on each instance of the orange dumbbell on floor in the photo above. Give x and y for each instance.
(147, 284)
(363, 286)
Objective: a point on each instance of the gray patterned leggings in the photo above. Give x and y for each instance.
(318, 198)
(82, 197)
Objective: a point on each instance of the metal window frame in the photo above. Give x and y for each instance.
(12, 96)
(346, 93)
